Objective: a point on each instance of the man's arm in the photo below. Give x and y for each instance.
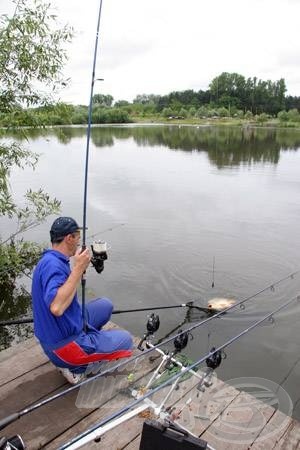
(66, 292)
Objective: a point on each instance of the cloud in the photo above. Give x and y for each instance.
(158, 46)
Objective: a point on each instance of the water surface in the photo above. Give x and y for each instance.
(178, 197)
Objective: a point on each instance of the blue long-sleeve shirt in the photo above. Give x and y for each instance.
(51, 272)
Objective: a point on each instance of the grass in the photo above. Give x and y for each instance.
(231, 121)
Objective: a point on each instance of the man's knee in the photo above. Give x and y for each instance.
(107, 304)
(104, 306)
(126, 340)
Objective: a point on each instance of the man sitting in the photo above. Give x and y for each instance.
(58, 321)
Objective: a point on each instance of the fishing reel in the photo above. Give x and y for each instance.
(153, 324)
(214, 360)
(13, 443)
(181, 341)
(99, 250)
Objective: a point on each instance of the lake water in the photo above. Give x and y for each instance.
(177, 198)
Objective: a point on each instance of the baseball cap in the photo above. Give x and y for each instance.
(62, 226)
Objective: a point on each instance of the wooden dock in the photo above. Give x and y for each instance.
(223, 416)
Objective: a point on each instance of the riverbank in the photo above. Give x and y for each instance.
(220, 121)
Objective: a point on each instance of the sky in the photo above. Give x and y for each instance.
(159, 46)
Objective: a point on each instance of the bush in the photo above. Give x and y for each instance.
(202, 112)
(248, 115)
(293, 115)
(223, 112)
(283, 116)
(79, 118)
(262, 118)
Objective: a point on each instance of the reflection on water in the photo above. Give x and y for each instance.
(226, 146)
(14, 303)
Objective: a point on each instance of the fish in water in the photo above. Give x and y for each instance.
(218, 304)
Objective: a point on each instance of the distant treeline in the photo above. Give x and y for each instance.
(231, 90)
(229, 95)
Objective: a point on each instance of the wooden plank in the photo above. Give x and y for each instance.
(239, 424)
(29, 389)
(21, 360)
(84, 424)
(54, 421)
(290, 440)
(209, 415)
(105, 395)
(125, 434)
(16, 349)
(204, 409)
(117, 403)
(120, 436)
(272, 432)
(133, 445)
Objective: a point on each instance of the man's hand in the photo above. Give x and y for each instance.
(82, 260)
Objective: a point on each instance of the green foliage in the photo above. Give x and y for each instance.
(30, 52)
(167, 112)
(121, 103)
(248, 115)
(110, 115)
(11, 155)
(31, 60)
(223, 112)
(102, 100)
(229, 95)
(289, 116)
(283, 116)
(183, 113)
(262, 118)
(293, 115)
(202, 112)
(251, 94)
(192, 111)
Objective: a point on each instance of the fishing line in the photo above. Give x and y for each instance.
(170, 380)
(241, 304)
(88, 137)
(121, 311)
(106, 230)
(213, 274)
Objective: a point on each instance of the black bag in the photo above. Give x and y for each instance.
(167, 437)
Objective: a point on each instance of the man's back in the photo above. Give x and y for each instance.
(50, 273)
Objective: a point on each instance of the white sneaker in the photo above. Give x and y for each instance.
(72, 378)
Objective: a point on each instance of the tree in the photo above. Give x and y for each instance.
(32, 56)
(103, 100)
(121, 103)
(293, 115)
(248, 115)
(283, 116)
(202, 112)
(262, 118)
(228, 87)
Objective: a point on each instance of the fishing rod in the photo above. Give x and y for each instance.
(210, 311)
(123, 311)
(14, 416)
(88, 138)
(93, 432)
